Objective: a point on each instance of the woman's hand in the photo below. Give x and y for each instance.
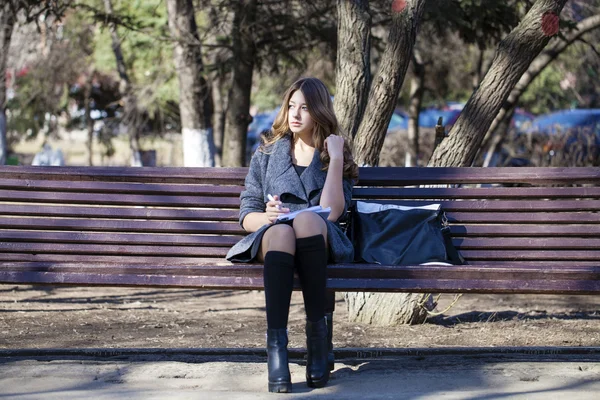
(274, 210)
(334, 145)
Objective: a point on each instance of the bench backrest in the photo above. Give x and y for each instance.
(185, 215)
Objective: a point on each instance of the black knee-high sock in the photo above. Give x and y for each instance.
(279, 283)
(311, 261)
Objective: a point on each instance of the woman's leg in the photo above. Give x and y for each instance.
(277, 252)
(311, 262)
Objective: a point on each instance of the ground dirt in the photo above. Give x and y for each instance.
(87, 317)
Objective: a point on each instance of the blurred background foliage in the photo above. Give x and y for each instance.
(51, 59)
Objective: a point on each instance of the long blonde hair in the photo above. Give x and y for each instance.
(321, 111)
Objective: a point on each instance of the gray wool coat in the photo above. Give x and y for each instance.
(272, 172)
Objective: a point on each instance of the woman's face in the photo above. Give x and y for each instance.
(299, 119)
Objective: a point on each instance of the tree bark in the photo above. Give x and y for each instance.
(238, 111)
(7, 23)
(514, 55)
(538, 65)
(88, 115)
(384, 308)
(194, 97)
(130, 104)
(219, 117)
(417, 88)
(353, 66)
(386, 86)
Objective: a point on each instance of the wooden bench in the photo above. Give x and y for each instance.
(521, 230)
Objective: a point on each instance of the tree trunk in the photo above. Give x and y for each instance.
(384, 93)
(7, 23)
(131, 112)
(538, 65)
(514, 55)
(238, 111)
(87, 93)
(417, 88)
(385, 308)
(219, 117)
(194, 96)
(353, 66)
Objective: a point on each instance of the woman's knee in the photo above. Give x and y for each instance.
(309, 224)
(279, 238)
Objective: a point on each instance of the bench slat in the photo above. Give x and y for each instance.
(401, 176)
(255, 282)
(158, 260)
(531, 217)
(468, 243)
(524, 243)
(477, 193)
(525, 230)
(108, 259)
(119, 199)
(350, 271)
(123, 250)
(389, 176)
(220, 176)
(118, 238)
(118, 212)
(97, 225)
(469, 286)
(514, 206)
(532, 254)
(121, 188)
(233, 202)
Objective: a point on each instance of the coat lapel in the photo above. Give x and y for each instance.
(281, 177)
(284, 180)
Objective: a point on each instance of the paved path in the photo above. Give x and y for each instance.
(184, 376)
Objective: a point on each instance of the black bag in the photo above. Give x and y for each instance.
(397, 235)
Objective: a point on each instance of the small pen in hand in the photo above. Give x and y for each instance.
(271, 198)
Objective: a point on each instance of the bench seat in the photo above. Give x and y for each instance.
(520, 230)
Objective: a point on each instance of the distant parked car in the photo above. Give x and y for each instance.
(567, 120)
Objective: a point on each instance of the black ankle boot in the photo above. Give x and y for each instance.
(317, 369)
(280, 380)
(330, 355)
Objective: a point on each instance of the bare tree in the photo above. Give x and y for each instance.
(406, 16)
(132, 116)
(7, 22)
(514, 55)
(377, 308)
(417, 89)
(194, 96)
(10, 10)
(238, 111)
(556, 47)
(353, 66)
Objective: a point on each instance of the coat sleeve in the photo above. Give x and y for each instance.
(251, 198)
(348, 186)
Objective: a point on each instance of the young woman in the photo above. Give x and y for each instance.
(303, 162)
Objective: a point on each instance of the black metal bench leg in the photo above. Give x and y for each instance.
(329, 308)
